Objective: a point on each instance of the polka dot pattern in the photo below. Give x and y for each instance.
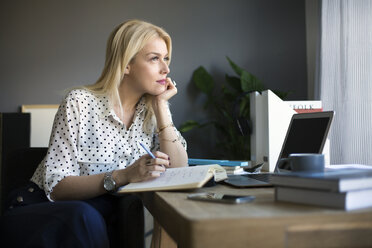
(88, 138)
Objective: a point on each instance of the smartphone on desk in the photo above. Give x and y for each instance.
(222, 198)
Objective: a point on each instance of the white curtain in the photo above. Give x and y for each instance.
(345, 77)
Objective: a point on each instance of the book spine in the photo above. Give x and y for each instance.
(306, 106)
(341, 185)
(345, 200)
(300, 111)
(304, 183)
(311, 197)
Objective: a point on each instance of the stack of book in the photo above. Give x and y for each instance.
(347, 189)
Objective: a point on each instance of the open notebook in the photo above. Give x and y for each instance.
(181, 178)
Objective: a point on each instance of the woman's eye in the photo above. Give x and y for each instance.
(157, 58)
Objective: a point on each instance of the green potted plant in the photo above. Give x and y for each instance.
(219, 104)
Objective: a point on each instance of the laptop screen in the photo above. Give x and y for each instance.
(307, 133)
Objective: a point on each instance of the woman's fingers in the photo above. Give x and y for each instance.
(157, 161)
(156, 168)
(153, 171)
(162, 155)
(172, 86)
(150, 168)
(169, 92)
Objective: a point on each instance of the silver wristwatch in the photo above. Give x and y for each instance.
(108, 182)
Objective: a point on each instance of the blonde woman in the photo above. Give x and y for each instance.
(94, 146)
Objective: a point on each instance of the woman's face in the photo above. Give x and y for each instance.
(148, 71)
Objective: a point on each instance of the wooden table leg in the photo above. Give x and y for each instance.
(160, 238)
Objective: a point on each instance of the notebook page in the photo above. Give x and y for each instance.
(173, 177)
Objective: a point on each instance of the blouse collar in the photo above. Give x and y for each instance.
(108, 111)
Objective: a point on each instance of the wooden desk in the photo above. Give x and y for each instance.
(262, 223)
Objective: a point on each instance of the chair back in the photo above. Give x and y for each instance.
(17, 169)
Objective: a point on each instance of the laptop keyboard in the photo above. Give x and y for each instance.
(264, 177)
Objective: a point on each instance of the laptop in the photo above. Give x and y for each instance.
(307, 133)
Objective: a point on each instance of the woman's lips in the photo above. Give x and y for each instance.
(162, 82)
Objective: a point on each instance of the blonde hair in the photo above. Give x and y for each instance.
(125, 41)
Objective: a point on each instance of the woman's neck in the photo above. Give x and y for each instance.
(128, 98)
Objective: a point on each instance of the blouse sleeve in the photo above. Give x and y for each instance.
(61, 159)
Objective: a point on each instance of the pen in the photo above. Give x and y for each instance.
(147, 150)
(151, 154)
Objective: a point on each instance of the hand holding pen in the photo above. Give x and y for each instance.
(156, 161)
(147, 167)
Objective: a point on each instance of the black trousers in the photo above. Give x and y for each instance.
(33, 221)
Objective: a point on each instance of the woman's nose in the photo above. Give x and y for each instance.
(165, 68)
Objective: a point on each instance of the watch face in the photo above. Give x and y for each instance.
(109, 184)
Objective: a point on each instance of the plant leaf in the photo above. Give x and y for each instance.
(208, 102)
(227, 97)
(226, 115)
(250, 83)
(188, 125)
(244, 106)
(219, 104)
(234, 82)
(235, 67)
(203, 80)
(220, 128)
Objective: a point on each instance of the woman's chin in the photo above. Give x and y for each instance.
(157, 91)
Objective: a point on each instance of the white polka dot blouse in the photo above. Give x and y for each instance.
(88, 138)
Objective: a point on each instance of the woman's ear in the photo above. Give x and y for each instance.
(127, 70)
